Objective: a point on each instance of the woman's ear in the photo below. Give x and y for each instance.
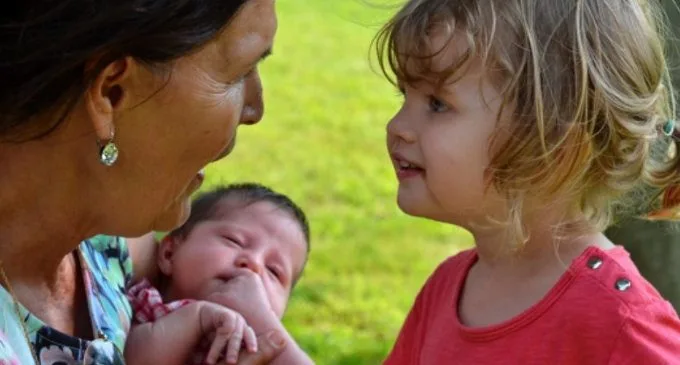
(107, 94)
(166, 252)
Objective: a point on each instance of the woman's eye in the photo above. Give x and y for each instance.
(437, 105)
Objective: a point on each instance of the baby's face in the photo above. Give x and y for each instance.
(259, 237)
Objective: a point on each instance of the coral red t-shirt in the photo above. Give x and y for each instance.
(601, 311)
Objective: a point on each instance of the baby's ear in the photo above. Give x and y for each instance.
(166, 252)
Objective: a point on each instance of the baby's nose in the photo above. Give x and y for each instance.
(246, 262)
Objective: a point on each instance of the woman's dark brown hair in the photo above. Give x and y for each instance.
(50, 50)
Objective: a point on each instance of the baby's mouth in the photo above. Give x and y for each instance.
(226, 276)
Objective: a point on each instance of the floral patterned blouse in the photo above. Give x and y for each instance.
(107, 269)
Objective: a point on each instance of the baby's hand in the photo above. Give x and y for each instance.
(230, 331)
(245, 293)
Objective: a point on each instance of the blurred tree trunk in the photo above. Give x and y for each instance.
(655, 245)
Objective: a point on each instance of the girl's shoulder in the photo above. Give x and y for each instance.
(455, 266)
(609, 295)
(448, 276)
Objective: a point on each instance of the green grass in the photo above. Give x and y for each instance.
(322, 142)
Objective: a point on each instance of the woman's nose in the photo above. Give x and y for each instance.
(253, 105)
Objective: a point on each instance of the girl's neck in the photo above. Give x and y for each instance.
(545, 250)
(506, 281)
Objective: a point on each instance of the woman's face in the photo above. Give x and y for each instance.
(188, 122)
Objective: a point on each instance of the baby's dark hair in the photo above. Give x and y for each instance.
(205, 206)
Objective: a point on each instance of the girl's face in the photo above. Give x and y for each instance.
(439, 143)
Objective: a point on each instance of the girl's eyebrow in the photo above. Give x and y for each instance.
(449, 91)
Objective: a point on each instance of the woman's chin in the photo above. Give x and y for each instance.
(173, 217)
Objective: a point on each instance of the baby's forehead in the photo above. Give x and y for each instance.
(237, 209)
(259, 217)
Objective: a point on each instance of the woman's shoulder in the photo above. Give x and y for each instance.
(110, 247)
(107, 269)
(7, 355)
(107, 245)
(109, 254)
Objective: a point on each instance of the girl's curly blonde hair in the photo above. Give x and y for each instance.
(586, 82)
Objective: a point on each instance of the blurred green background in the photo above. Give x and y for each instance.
(322, 142)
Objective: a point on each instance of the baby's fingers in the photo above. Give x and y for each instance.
(269, 346)
(234, 346)
(250, 339)
(222, 335)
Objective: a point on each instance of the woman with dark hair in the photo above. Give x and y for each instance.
(109, 110)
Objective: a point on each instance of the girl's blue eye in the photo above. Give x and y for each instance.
(437, 105)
